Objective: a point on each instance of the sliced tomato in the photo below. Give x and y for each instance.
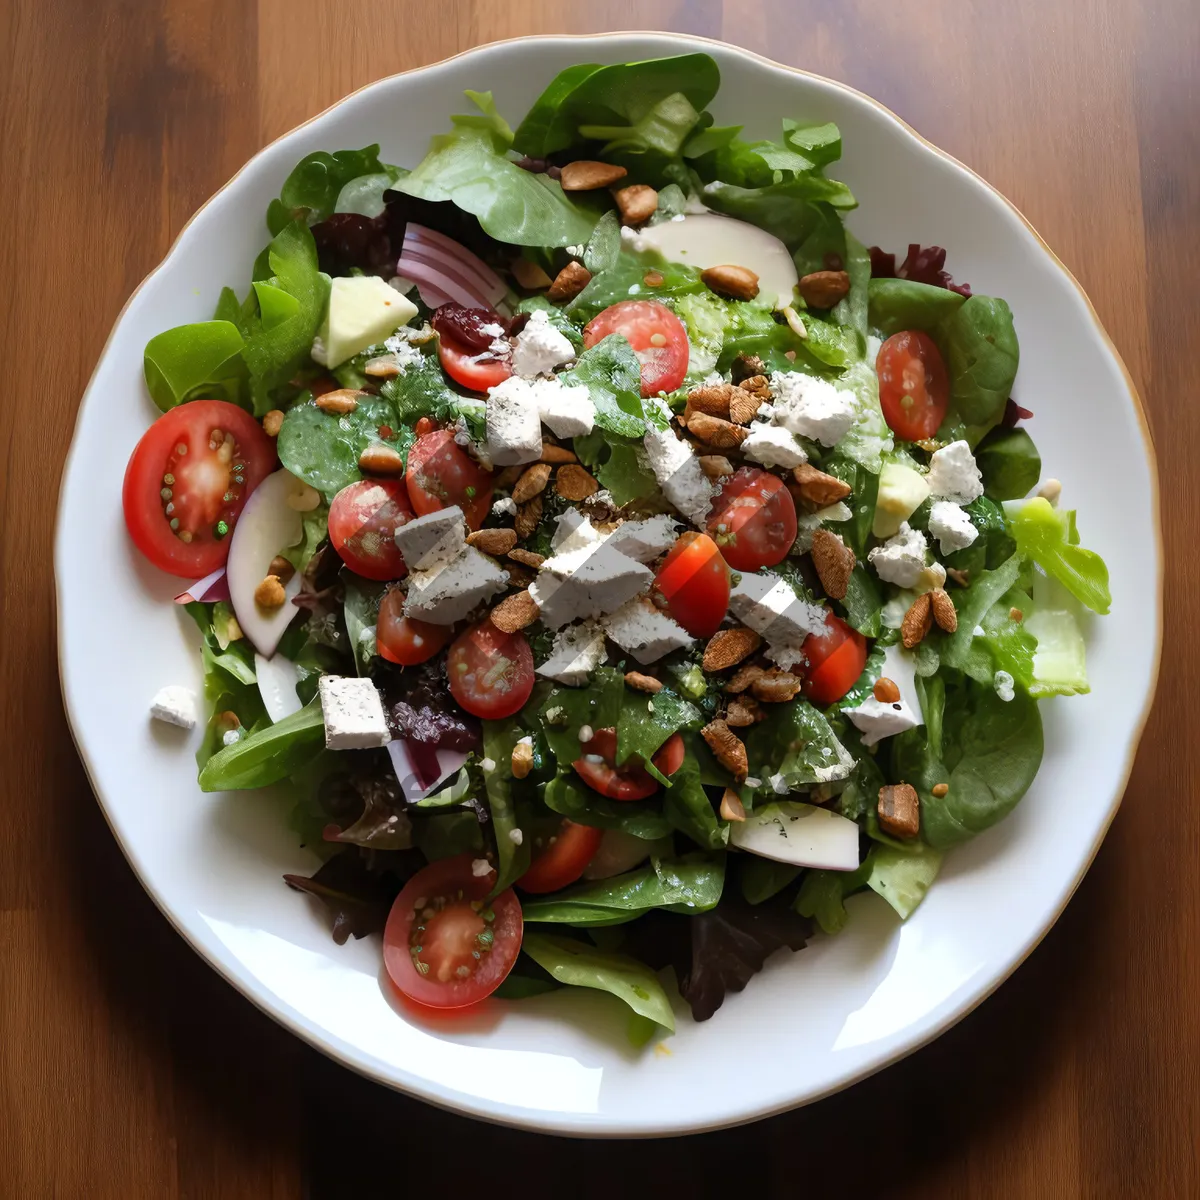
(598, 767)
(657, 335)
(445, 944)
(475, 373)
(441, 473)
(836, 658)
(694, 581)
(405, 640)
(491, 672)
(753, 520)
(914, 389)
(187, 481)
(363, 520)
(561, 852)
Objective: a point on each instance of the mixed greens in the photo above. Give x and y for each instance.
(586, 511)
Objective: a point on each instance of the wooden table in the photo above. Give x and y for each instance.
(128, 1069)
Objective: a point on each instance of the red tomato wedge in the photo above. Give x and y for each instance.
(836, 658)
(187, 481)
(468, 369)
(753, 520)
(694, 581)
(405, 640)
(363, 520)
(491, 672)
(441, 474)
(565, 850)
(657, 335)
(914, 389)
(598, 767)
(445, 944)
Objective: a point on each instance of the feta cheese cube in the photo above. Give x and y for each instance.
(447, 592)
(506, 506)
(645, 540)
(568, 411)
(577, 651)
(953, 474)
(586, 582)
(765, 603)
(540, 347)
(901, 559)
(812, 407)
(949, 523)
(574, 531)
(773, 446)
(679, 474)
(353, 712)
(432, 540)
(877, 720)
(174, 705)
(645, 631)
(514, 427)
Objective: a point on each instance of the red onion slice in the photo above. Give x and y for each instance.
(431, 281)
(491, 286)
(449, 761)
(212, 587)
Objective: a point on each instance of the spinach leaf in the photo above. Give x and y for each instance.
(980, 347)
(565, 710)
(691, 884)
(611, 286)
(189, 362)
(869, 438)
(1009, 462)
(604, 246)
(902, 876)
(448, 834)
(311, 191)
(994, 544)
(990, 752)
(647, 721)
(687, 807)
(823, 895)
(898, 304)
(268, 755)
(556, 316)
(315, 528)
(625, 472)
(634, 104)
(361, 611)
(577, 964)
(796, 741)
(613, 376)
(273, 353)
(470, 168)
(323, 448)
(567, 795)
(422, 392)
(863, 602)
(861, 501)
(851, 311)
(499, 738)
(971, 603)
(364, 196)
(762, 878)
(1045, 536)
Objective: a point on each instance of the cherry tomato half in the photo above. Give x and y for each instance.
(187, 480)
(565, 851)
(405, 640)
(694, 581)
(363, 519)
(753, 520)
(657, 335)
(491, 672)
(598, 767)
(836, 658)
(469, 370)
(441, 473)
(914, 389)
(440, 951)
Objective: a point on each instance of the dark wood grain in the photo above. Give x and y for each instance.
(127, 1069)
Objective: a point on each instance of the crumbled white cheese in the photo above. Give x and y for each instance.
(577, 651)
(586, 733)
(645, 631)
(773, 446)
(480, 867)
(901, 559)
(516, 836)
(954, 475)
(785, 656)
(779, 785)
(1005, 686)
(514, 426)
(487, 765)
(812, 407)
(449, 591)
(808, 523)
(573, 531)
(567, 411)
(586, 582)
(540, 347)
(645, 540)
(174, 705)
(876, 719)
(679, 474)
(873, 347)
(765, 603)
(230, 737)
(353, 713)
(949, 523)
(506, 506)
(434, 540)
(404, 352)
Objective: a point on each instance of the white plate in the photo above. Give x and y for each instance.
(811, 1023)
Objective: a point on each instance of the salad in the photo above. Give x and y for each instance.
(614, 562)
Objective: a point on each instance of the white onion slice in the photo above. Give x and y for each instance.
(449, 762)
(213, 586)
(277, 679)
(491, 286)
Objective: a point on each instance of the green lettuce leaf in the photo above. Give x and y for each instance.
(1044, 536)
(268, 755)
(191, 362)
(310, 193)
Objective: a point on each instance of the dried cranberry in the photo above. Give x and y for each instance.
(536, 166)
(464, 327)
(833, 261)
(348, 240)
(1013, 412)
(922, 264)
